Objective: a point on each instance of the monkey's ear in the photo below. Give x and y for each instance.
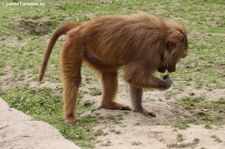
(173, 38)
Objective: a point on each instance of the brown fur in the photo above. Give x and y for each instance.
(60, 31)
(141, 44)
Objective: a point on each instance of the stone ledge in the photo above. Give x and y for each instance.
(20, 131)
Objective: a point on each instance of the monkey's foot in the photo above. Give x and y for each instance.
(71, 119)
(115, 106)
(145, 112)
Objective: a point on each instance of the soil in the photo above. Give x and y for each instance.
(35, 26)
(136, 131)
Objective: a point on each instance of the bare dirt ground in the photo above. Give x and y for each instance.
(123, 130)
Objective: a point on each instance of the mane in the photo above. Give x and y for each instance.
(155, 22)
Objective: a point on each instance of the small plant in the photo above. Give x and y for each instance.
(216, 139)
(108, 143)
(208, 126)
(181, 125)
(184, 145)
(136, 143)
(95, 92)
(115, 131)
(99, 132)
(115, 119)
(180, 138)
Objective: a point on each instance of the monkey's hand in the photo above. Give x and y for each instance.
(168, 81)
(165, 76)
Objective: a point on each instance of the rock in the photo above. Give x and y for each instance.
(20, 131)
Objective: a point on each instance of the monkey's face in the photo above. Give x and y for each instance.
(176, 48)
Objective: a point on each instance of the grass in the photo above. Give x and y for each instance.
(136, 143)
(108, 143)
(43, 104)
(23, 39)
(184, 145)
(202, 112)
(95, 92)
(200, 67)
(115, 131)
(180, 138)
(115, 120)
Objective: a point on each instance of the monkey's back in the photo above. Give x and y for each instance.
(115, 37)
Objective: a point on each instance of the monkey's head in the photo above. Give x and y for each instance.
(176, 47)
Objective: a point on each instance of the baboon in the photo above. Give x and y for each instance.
(140, 44)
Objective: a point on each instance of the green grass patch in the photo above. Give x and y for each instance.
(202, 112)
(95, 92)
(25, 34)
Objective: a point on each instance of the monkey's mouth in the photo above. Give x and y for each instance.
(170, 68)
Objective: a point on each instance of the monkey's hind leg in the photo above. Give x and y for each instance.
(71, 61)
(110, 85)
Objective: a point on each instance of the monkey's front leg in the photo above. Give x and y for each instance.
(136, 99)
(137, 91)
(161, 84)
(151, 82)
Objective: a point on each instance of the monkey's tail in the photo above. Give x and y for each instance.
(60, 31)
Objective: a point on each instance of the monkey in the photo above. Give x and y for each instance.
(139, 44)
